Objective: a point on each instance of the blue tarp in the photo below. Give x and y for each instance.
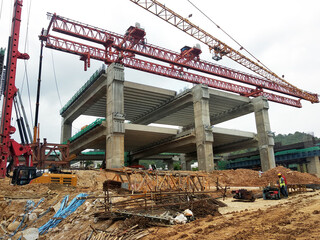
(63, 212)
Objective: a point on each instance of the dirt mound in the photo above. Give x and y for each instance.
(248, 177)
(92, 179)
(293, 177)
(203, 208)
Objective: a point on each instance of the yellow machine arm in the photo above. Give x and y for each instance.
(220, 49)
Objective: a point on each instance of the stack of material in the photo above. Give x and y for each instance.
(128, 234)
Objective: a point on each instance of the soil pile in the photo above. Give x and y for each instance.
(248, 177)
(239, 225)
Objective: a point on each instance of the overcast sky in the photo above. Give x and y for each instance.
(284, 35)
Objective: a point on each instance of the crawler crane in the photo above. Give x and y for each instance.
(34, 153)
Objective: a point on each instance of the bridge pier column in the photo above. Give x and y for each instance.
(264, 134)
(185, 160)
(188, 165)
(170, 164)
(314, 165)
(115, 116)
(204, 136)
(66, 130)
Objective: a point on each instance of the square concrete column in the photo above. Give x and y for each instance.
(66, 130)
(115, 116)
(264, 134)
(203, 130)
(170, 164)
(314, 165)
(183, 161)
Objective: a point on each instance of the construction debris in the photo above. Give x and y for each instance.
(115, 213)
(243, 195)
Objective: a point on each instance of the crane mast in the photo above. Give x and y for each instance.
(220, 49)
(10, 147)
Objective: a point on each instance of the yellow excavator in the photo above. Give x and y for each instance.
(23, 175)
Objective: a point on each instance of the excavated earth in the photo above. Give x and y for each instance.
(297, 217)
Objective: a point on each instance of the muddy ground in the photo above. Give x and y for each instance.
(297, 217)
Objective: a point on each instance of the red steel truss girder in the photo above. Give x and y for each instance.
(101, 36)
(138, 64)
(215, 44)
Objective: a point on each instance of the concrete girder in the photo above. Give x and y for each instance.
(90, 140)
(227, 140)
(184, 144)
(175, 105)
(137, 135)
(232, 113)
(95, 92)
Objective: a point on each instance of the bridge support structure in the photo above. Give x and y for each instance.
(115, 116)
(313, 165)
(203, 130)
(264, 134)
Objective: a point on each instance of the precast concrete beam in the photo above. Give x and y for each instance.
(175, 105)
(90, 140)
(265, 136)
(180, 145)
(66, 130)
(230, 147)
(232, 113)
(228, 140)
(87, 99)
(203, 130)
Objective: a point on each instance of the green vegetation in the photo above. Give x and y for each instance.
(287, 139)
(284, 139)
(176, 166)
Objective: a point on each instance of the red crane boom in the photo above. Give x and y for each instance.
(107, 38)
(90, 52)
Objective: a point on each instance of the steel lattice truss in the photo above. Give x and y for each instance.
(220, 49)
(123, 49)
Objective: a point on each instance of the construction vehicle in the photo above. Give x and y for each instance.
(243, 195)
(271, 193)
(29, 175)
(36, 152)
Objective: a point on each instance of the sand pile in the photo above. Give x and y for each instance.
(247, 177)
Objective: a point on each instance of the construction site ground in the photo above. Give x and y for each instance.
(297, 217)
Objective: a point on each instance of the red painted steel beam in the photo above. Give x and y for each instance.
(138, 64)
(220, 49)
(97, 35)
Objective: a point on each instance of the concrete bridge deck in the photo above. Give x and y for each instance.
(143, 141)
(195, 111)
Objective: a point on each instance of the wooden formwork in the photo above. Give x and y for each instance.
(138, 180)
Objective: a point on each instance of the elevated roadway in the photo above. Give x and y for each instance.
(129, 108)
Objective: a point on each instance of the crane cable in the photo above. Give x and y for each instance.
(55, 78)
(25, 76)
(56, 83)
(1, 8)
(241, 47)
